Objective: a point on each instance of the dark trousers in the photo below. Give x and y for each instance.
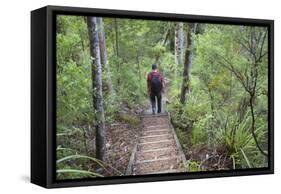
(153, 98)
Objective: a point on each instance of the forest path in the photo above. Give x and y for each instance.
(158, 149)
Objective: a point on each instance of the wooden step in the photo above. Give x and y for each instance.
(149, 115)
(156, 132)
(156, 126)
(159, 149)
(156, 145)
(153, 138)
(148, 121)
(169, 171)
(153, 127)
(140, 156)
(150, 167)
(155, 160)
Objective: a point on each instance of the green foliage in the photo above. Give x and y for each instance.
(192, 166)
(73, 84)
(183, 138)
(217, 111)
(74, 173)
(74, 102)
(202, 129)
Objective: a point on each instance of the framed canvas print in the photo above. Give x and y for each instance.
(125, 96)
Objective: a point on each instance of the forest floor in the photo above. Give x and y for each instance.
(122, 136)
(208, 158)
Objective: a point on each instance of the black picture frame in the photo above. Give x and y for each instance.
(43, 92)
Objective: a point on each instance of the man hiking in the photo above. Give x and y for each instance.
(155, 87)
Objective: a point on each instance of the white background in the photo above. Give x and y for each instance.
(15, 95)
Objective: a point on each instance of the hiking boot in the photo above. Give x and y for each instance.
(153, 111)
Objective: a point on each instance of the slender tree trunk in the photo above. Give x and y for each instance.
(97, 88)
(163, 43)
(253, 127)
(185, 88)
(179, 43)
(117, 48)
(103, 52)
(139, 72)
(116, 36)
(165, 37)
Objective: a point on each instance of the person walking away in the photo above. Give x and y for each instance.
(155, 87)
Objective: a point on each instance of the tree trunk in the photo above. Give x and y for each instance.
(179, 43)
(187, 64)
(97, 88)
(117, 49)
(103, 52)
(116, 36)
(163, 43)
(165, 37)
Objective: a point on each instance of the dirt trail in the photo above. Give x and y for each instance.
(158, 149)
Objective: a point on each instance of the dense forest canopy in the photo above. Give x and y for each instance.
(216, 88)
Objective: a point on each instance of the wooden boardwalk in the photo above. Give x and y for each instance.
(158, 149)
